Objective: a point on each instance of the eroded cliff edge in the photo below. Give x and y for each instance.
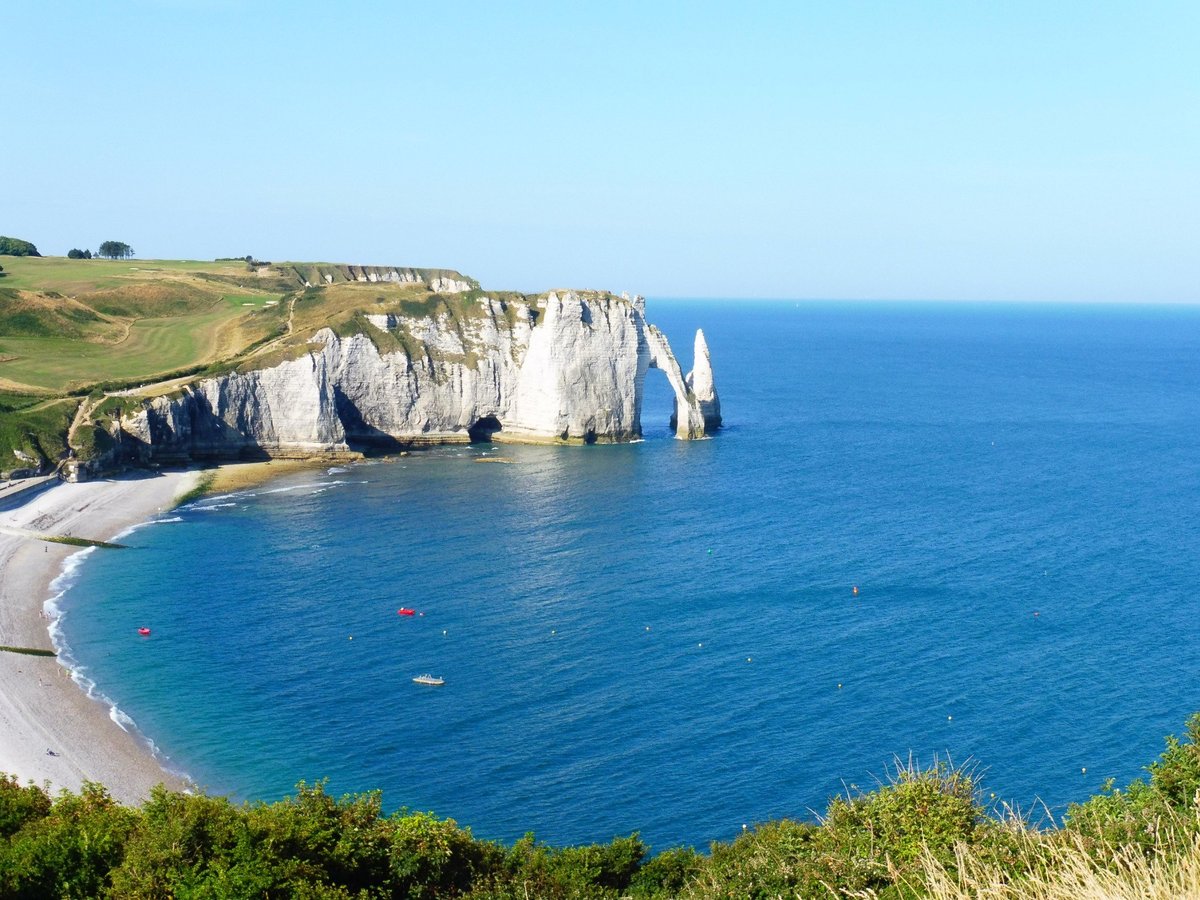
(561, 367)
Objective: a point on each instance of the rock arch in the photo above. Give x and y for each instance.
(688, 419)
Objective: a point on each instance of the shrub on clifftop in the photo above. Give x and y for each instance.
(20, 805)
(115, 250)
(871, 844)
(1138, 813)
(10, 246)
(71, 851)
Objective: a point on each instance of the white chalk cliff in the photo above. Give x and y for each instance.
(562, 367)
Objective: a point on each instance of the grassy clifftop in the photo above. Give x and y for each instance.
(72, 329)
(66, 325)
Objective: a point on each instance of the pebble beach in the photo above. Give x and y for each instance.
(51, 731)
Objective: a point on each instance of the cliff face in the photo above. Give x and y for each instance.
(443, 281)
(565, 367)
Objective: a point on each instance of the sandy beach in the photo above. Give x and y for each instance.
(50, 730)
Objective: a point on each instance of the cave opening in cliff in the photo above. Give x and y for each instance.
(483, 429)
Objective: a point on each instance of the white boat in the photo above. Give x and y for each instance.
(429, 679)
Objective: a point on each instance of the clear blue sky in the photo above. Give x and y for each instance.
(1006, 150)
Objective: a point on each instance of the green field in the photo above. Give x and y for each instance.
(152, 346)
(66, 324)
(57, 273)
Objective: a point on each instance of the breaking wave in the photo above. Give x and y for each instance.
(54, 612)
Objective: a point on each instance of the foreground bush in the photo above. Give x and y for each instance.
(1142, 811)
(923, 834)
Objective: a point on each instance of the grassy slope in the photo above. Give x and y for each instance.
(145, 319)
(38, 430)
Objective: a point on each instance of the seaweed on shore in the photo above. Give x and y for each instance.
(80, 542)
(203, 487)
(28, 651)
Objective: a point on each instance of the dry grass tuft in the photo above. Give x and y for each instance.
(1067, 867)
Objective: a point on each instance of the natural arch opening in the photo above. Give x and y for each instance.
(483, 429)
(658, 406)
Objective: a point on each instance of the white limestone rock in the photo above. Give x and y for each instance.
(687, 420)
(443, 285)
(578, 378)
(564, 367)
(700, 383)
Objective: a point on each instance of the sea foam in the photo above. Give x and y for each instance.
(55, 613)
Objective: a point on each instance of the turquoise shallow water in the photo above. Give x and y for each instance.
(651, 637)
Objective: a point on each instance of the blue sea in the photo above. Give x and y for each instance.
(664, 637)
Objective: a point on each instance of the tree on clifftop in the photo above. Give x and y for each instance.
(115, 250)
(16, 247)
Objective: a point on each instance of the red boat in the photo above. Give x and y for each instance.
(144, 632)
(405, 611)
